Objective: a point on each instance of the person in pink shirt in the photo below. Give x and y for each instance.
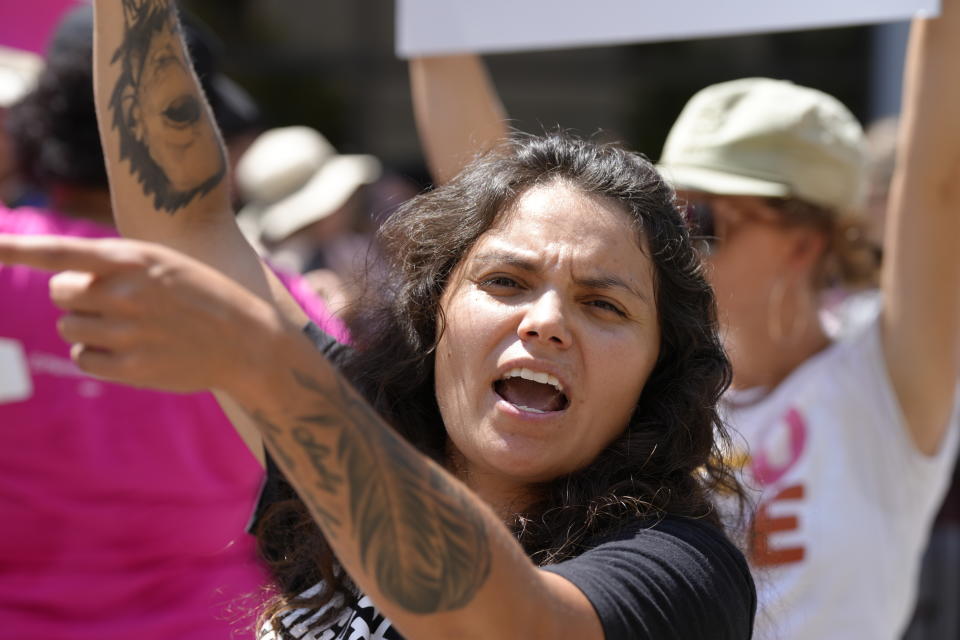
(124, 509)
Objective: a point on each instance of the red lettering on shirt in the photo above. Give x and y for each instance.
(779, 447)
(762, 552)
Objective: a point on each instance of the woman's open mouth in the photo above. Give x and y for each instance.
(531, 391)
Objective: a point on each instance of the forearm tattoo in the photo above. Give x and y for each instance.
(418, 534)
(158, 111)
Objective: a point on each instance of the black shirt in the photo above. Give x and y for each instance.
(674, 579)
(679, 578)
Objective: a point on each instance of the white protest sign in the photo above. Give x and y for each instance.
(15, 382)
(434, 27)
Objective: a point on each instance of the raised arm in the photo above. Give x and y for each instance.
(457, 109)
(921, 272)
(165, 159)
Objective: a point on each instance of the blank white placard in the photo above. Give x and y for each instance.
(15, 382)
(434, 27)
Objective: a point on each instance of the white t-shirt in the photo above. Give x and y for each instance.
(845, 500)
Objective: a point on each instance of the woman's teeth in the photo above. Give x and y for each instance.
(536, 376)
(530, 409)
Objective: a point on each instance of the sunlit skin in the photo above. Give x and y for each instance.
(563, 286)
(762, 273)
(172, 119)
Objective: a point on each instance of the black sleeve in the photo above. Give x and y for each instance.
(680, 579)
(326, 344)
(275, 487)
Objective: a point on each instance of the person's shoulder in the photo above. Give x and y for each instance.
(851, 365)
(311, 303)
(676, 536)
(849, 372)
(668, 577)
(707, 540)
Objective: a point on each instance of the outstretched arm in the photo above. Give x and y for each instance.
(166, 162)
(457, 109)
(921, 272)
(435, 559)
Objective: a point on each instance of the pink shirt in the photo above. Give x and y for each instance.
(30, 27)
(122, 511)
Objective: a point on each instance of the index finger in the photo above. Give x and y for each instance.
(60, 253)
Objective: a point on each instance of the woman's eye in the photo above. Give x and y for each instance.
(604, 305)
(499, 282)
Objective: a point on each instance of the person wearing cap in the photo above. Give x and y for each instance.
(848, 443)
(124, 509)
(305, 209)
(18, 73)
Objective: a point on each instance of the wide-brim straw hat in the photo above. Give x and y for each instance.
(293, 177)
(18, 74)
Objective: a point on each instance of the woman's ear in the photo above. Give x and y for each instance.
(806, 248)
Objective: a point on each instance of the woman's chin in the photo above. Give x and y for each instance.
(521, 459)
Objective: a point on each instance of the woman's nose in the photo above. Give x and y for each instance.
(545, 320)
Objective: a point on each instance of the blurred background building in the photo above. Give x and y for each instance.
(331, 65)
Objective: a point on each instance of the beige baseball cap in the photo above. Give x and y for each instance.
(763, 137)
(293, 177)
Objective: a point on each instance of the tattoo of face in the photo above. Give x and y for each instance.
(418, 533)
(165, 130)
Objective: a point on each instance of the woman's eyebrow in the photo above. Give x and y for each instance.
(610, 281)
(603, 281)
(508, 258)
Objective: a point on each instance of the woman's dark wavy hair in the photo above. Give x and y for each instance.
(666, 462)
